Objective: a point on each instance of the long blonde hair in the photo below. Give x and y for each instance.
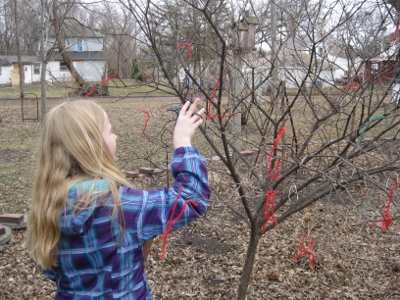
(71, 149)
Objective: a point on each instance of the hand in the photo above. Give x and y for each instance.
(187, 123)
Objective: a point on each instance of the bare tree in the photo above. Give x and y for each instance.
(120, 41)
(393, 3)
(28, 22)
(7, 28)
(309, 139)
(57, 23)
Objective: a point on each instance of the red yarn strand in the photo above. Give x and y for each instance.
(269, 205)
(387, 220)
(146, 122)
(275, 176)
(209, 116)
(172, 221)
(306, 250)
(186, 45)
(101, 83)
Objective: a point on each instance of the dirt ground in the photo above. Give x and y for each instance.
(204, 260)
(353, 260)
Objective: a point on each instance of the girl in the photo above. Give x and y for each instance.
(86, 225)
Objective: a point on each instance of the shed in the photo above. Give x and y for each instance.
(9, 73)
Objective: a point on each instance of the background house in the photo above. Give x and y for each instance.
(9, 69)
(379, 70)
(341, 64)
(382, 69)
(292, 65)
(5, 71)
(84, 46)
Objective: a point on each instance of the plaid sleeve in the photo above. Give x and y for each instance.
(147, 213)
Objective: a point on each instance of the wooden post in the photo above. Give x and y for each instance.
(244, 41)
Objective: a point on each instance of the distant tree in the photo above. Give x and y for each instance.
(120, 42)
(60, 40)
(136, 73)
(394, 11)
(7, 28)
(28, 21)
(367, 31)
(396, 5)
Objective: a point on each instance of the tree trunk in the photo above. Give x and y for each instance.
(60, 44)
(248, 263)
(20, 62)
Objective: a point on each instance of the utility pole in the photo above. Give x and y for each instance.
(43, 63)
(20, 63)
(244, 34)
(236, 90)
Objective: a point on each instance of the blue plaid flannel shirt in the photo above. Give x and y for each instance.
(93, 263)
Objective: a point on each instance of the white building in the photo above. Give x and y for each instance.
(84, 47)
(9, 69)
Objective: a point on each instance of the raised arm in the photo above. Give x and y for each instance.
(147, 213)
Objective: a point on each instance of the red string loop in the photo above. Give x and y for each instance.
(387, 220)
(347, 86)
(209, 116)
(101, 83)
(275, 176)
(212, 98)
(269, 205)
(395, 33)
(186, 45)
(146, 122)
(306, 250)
(172, 221)
(109, 78)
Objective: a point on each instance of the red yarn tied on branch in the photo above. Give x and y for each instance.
(172, 221)
(387, 221)
(306, 250)
(101, 83)
(396, 33)
(186, 45)
(146, 122)
(212, 98)
(275, 176)
(356, 87)
(209, 116)
(269, 205)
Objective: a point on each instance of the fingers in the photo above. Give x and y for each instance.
(199, 115)
(184, 108)
(197, 119)
(188, 109)
(202, 111)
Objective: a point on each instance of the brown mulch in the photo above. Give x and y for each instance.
(204, 260)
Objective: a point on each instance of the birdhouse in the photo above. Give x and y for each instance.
(247, 29)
